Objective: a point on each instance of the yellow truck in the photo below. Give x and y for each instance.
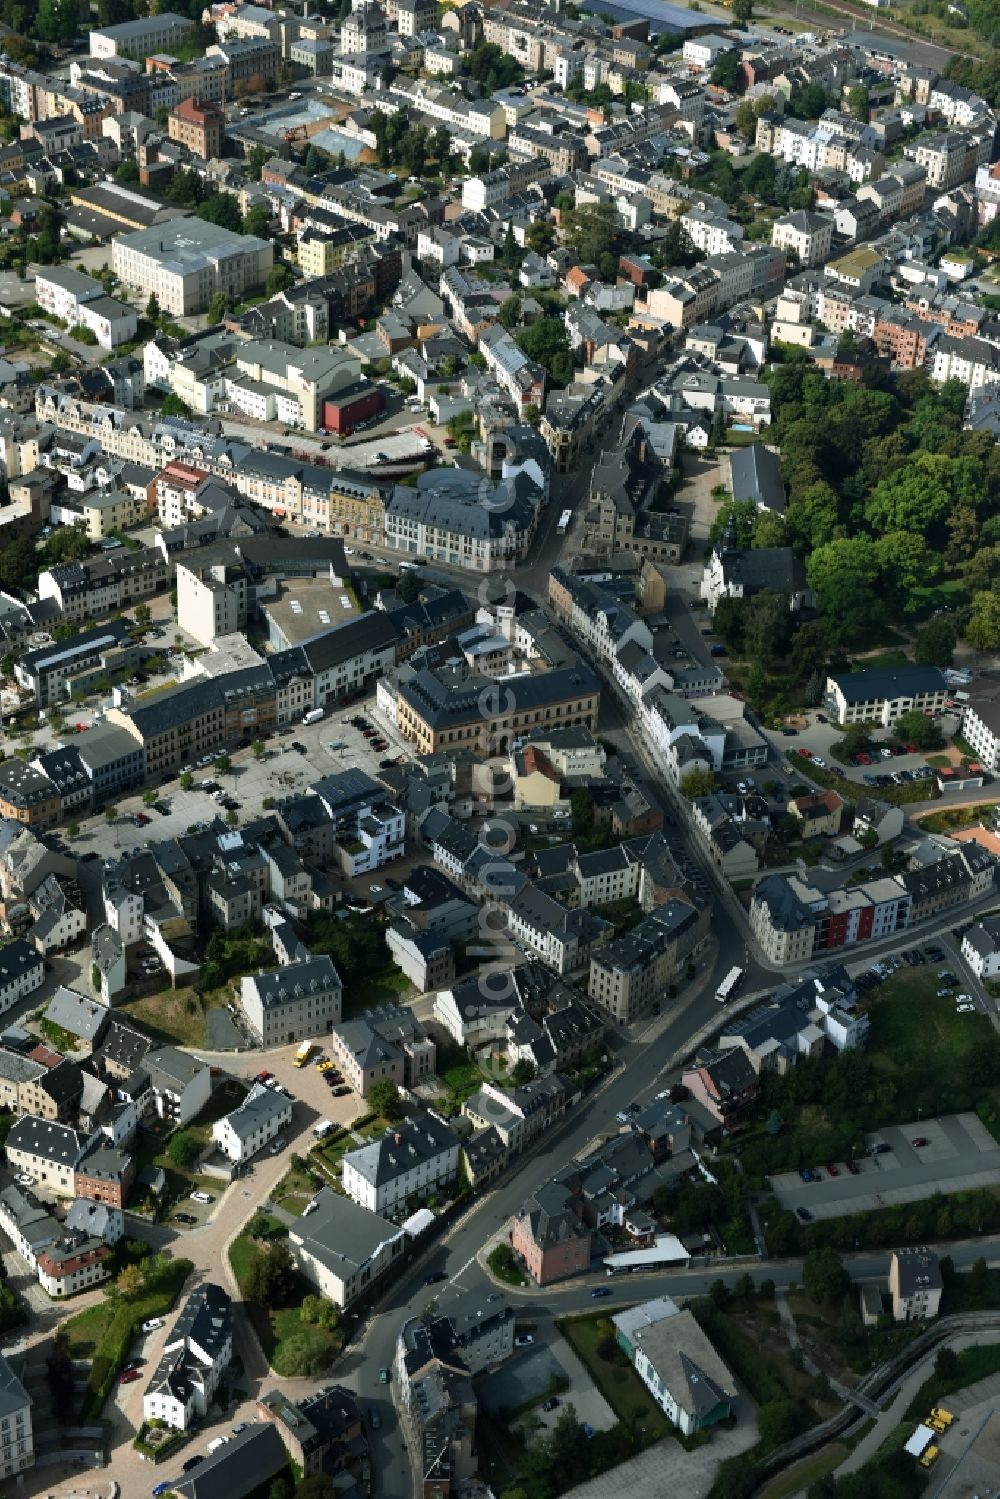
(939, 1419)
(303, 1054)
(930, 1456)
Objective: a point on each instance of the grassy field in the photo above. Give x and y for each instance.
(909, 1024)
(175, 1015)
(103, 1334)
(798, 1478)
(973, 1364)
(294, 1191)
(279, 1327)
(386, 988)
(614, 1376)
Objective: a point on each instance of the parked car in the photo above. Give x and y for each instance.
(601, 1291)
(264, 1077)
(277, 1146)
(964, 1009)
(384, 1375)
(152, 1324)
(185, 1218)
(831, 1169)
(434, 1277)
(523, 1340)
(852, 1167)
(192, 1462)
(205, 1197)
(129, 1376)
(551, 1403)
(24, 1180)
(920, 1142)
(806, 1174)
(804, 1214)
(374, 1419)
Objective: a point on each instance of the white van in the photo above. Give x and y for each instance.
(322, 1128)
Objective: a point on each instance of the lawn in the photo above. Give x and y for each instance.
(151, 1150)
(294, 1191)
(590, 1337)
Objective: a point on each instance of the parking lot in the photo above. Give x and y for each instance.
(329, 746)
(888, 1168)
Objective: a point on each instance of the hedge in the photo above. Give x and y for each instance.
(121, 1332)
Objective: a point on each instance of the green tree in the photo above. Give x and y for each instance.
(259, 749)
(384, 1100)
(257, 159)
(315, 1486)
(218, 307)
(946, 1365)
(184, 1148)
(187, 781)
(778, 1421)
(302, 1355)
(510, 312)
(127, 172)
(279, 279)
(859, 103)
(983, 628)
(590, 230)
(257, 220)
(222, 209)
(824, 1278)
(726, 73)
(408, 587)
(130, 1282)
(844, 574)
(916, 728)
(317, 1311)
(523, 1072)
(547, 343)
(934, 645)
(271, 1278)
(153, 308)
(743, 11)
(7, 664)
(172, 405)
(697, 783)
(223, 764)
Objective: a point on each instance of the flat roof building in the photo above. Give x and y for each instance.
(186, 261)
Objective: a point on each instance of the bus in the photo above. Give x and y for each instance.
(564, 522)
(729, 985)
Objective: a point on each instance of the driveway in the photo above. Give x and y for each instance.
(960, 1155)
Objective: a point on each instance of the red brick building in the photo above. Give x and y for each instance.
(198, 126)
(106, 1176)
(550, 1236)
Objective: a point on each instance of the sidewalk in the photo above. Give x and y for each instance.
(890, 1417)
